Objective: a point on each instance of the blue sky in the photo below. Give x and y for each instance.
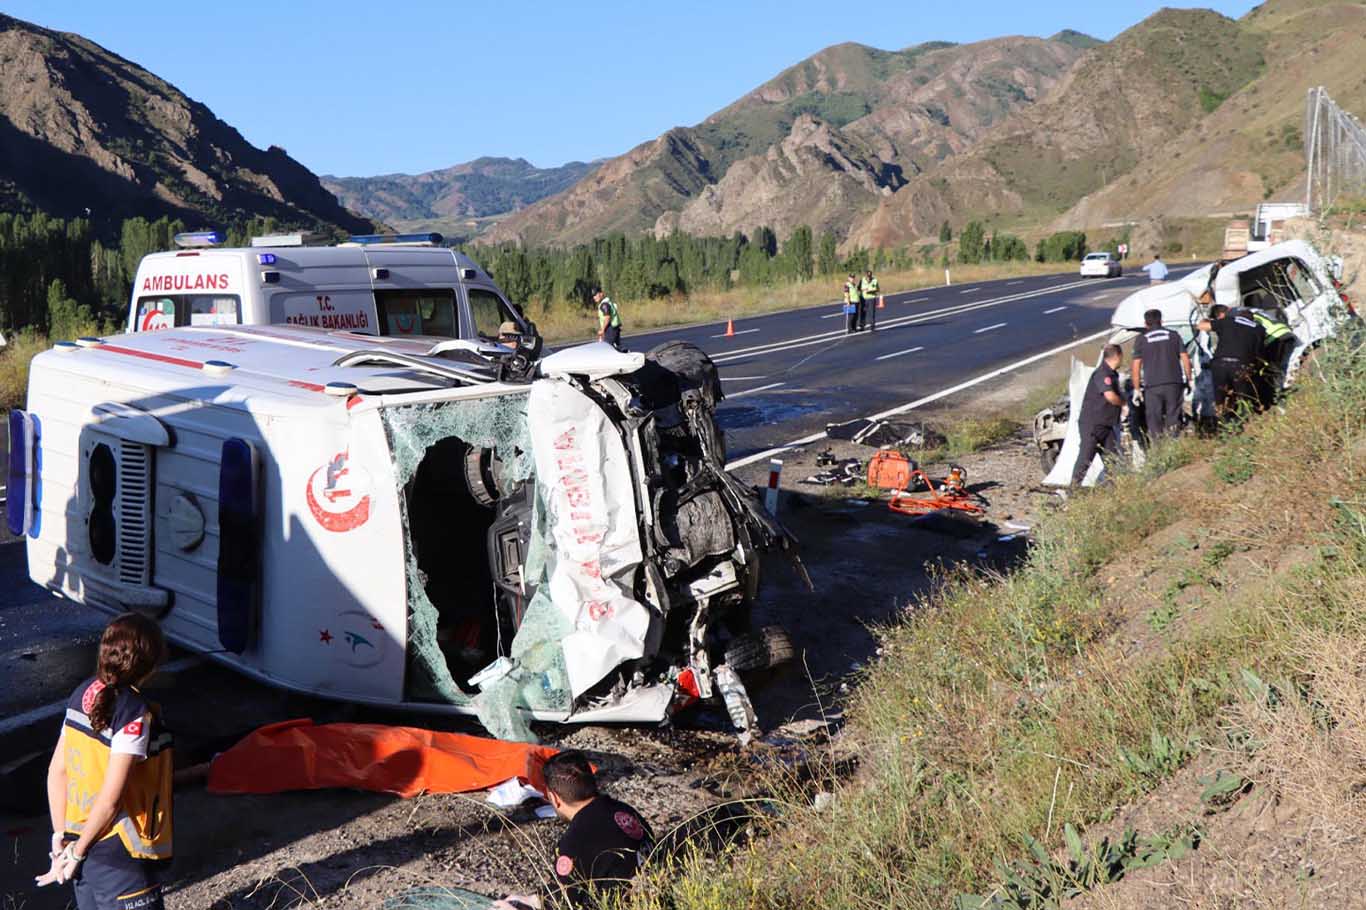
(410, 85)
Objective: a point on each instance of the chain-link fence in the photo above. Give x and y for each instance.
(1335, 149)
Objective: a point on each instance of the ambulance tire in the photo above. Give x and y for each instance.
(1048, 455)
(762, 650)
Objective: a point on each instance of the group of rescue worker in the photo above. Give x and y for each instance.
(860, 299)
(1246, 364)
(110, 795)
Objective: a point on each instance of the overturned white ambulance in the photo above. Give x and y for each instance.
(421, 523)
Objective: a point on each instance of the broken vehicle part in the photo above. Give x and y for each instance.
(404, 520)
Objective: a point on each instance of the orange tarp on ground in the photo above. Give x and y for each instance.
(299, 755)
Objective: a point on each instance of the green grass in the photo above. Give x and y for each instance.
(1003, 719)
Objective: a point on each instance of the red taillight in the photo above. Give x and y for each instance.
(687, 683)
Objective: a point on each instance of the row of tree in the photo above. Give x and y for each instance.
(88, 276)
(49, 262)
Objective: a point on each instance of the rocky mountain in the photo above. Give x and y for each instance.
(822, 143)
(82, 130)
(1249, 148)
(476, 189)
(1121, 105)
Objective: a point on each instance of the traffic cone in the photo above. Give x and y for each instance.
(881, 302)
(730, 329)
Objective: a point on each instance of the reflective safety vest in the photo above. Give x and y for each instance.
(1274, 330)
(143, 819)
(853, 292)
(869, 288)
(608, 314)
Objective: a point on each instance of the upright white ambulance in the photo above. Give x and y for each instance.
(393, 285)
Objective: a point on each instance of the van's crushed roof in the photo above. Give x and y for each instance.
(291, 362)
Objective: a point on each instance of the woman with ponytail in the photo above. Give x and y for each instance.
(109, 782)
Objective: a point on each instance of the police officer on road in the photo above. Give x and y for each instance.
(1161, 372)
(1100, 407)
(604, 846)
(1241, 339)
(609, 319)
(868, 287)
(853, 304)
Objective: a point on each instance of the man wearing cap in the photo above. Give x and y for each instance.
(609, 319)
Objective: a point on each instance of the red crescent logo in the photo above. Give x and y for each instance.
(336, 515)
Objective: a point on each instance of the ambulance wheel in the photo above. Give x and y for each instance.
(762, 650)
(1048, 455)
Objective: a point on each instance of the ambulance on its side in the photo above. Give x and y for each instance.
(391, 285)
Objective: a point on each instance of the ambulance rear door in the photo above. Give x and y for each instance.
(188, 288)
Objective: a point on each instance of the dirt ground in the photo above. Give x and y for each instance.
(349, 849)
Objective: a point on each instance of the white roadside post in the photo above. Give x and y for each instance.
(775, 471)
(946, 278)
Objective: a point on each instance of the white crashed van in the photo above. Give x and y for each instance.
(1289, 281)
(394, 285)
(441, 527)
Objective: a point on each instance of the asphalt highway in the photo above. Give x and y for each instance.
(785, 376)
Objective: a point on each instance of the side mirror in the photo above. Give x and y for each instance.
(537, 342)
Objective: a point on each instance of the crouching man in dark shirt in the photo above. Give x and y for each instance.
(604, 846)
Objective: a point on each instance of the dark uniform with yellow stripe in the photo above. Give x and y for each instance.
(121, 869)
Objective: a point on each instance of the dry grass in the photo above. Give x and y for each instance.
(23, 346)
(565, 323)
(1005, 708)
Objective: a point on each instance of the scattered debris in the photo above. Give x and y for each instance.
(845, 473)
(884, 433)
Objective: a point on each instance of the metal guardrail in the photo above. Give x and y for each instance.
(1335, 151)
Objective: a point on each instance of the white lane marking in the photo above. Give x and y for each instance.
(969, 290)
(1021, 281)
(918, 300)
(1101, 296)
(999, 325)
(762, 388)
(928, 399)
(1056, 309)
(804, 341)
(57, 708)
(742, 378)
(834, 315)
(733, 334)
(899, 353)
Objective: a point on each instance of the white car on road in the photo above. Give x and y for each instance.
(1101, 265)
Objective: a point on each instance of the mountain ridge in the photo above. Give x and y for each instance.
(126, 142)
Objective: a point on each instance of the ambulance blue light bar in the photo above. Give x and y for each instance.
(432, 238)
(199, 239)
